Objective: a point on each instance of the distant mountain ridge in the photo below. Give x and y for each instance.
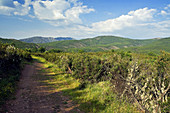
(104, 43)
(100, 43)
(63, 38)
(39, 39)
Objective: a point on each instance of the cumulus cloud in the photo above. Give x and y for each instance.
(167, 7)
(163, 12)
(131, 19)
(22, 9)
(74, 13)
(60, 12)
(10, 7)
(166, 11)
(154, 29)
(55, 12)
(142, 21)
(66, 13)
(161, 26)
(7, 3)
(50, 10)
(6, 7)
(4, 10)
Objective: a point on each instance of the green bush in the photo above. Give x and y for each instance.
(10, 66)
(126, 72)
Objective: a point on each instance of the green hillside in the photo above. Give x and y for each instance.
(18, 43)
(156, 46)
(100, 43)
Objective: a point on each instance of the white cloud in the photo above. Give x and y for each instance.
(55, 12)
(6, 7)
(163, 12)
(60, 12)
(167, 7)
(166, 11)
(75, 2)
(131, 19)
(66, 14)
(4, 10)
(8, 3)
(136, 24)
(161, 26)
(10, 7)
(154, 29)
(22, 9)
(50, 10)
(74, 13)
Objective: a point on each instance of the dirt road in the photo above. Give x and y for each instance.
(35, 96)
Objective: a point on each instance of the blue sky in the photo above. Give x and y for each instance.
(138, 19)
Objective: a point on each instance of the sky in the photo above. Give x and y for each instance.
(136, 19)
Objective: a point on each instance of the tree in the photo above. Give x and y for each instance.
(34, 49)
(28, 49)
(55, 51)
(113, 50)
(13, 44)
(81, 51)
(41, 49)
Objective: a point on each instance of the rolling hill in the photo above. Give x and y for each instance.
(39, 39)
(103, 43)
(18, 43)
(100, 43)
(156, 47)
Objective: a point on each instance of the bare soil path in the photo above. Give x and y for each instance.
(35, 96)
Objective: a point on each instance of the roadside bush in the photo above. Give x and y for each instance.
(145, 80)
(10, 66)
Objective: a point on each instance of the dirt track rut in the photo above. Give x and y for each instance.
(33, 96)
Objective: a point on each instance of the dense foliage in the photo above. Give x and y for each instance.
(144, 79)
(10, 65)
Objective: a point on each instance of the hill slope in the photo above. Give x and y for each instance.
(100, 43)
(39, 39)
(156, 46)
(18, 43)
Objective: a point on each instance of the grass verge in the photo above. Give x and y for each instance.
(95, 98)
